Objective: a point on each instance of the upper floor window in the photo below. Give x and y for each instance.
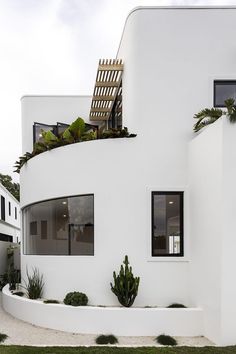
(16, 213)
(3, 211)
(63, 226)
(9, 208)
(167, 224)
(224, 89)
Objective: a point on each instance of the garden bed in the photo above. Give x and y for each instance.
(117, 320)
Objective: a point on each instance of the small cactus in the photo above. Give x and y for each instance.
(125, 284)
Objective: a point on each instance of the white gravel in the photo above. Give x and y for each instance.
(22, 333)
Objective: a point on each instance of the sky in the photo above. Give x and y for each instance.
(53, 47)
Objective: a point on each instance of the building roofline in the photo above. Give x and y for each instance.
(7, 191)
(143, 8)
(51, 96)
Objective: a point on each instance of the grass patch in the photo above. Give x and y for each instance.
(3, 337)
(106, 339)
(166, 340)
(109, 350)
(51, 301)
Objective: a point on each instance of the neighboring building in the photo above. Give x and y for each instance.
(9, 217)
(164, 198)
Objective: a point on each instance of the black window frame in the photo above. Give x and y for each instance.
(181, 194)
(3, 208)
(221, 82)
(15, 213)
(9, 208)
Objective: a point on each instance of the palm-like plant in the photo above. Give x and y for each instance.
(208, 116)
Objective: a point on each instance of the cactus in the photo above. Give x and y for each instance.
(125, 284)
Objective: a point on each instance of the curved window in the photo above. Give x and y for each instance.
(62, 226)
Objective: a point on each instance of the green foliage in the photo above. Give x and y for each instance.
(125, 284)
(75, 133)
(166, 340)
(106, 339)
(3, 337)
(76, 298)
(12, 187)
(18, 293)
(208, 116)
(176, 306)
(3, 280)
(35, 284)
(51, 301)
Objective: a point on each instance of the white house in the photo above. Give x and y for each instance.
(165, 198)
(9, 217)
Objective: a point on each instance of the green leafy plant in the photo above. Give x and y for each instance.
(76, 298)
(12, 187)
(176, 305)
(18, 293)
(125, 284)
(106, 339)
(3, 280)
(35, 284)
(51, 301)
(166, 340)
(3, 337)
(78, 131)
(208, 116)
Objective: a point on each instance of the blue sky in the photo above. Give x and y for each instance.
(53, 47)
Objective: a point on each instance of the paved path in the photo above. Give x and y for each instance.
(22, 333)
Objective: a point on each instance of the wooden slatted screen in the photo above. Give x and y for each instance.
(107, 92)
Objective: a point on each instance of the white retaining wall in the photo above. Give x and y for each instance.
(99, 320)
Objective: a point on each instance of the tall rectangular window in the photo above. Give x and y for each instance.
(3, 212)
(167, 224)
(9, 208)
(16, 213)
(224, 89)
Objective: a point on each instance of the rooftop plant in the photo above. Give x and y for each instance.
(106, 339)
(166, 340)
(125, 284)
(75, 133)
(208, 116)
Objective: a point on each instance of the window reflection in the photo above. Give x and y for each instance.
(167, 223)
(64, 226)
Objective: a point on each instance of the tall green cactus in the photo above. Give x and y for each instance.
(125, 284)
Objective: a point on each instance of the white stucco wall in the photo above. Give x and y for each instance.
(171, 57)
(205, 203)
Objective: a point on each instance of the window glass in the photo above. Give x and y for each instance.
(3, 211)
(167, 223)
(62, 226)
(223, 90)
(9, 208)
(37, 127)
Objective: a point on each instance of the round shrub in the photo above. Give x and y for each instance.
(166, 340)
(106, 339)
(76, 298)
(176, 306)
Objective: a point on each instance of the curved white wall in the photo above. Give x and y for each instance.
(116, 320)
(119, 174)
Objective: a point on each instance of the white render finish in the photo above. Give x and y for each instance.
(171, 57)
(11, 225)
(117, 320)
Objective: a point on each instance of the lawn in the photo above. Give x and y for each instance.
(108, 350)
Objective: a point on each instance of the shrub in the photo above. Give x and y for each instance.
(51, 301)
(76, 298)
(176, 305)
(106, 339)
(125, 285)
(166, 340)
(3, 280)
(35, 284)
(18, 293)
(3, 337)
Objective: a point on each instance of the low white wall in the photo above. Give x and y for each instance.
(119, 321)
